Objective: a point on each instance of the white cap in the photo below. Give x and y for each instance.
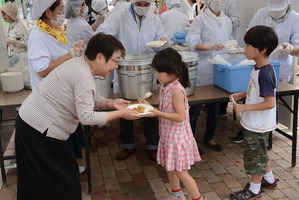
(39, 7)
(98, 5)
(173, 3)
(278, 5)
(149, 1)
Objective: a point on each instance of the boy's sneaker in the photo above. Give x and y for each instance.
(239, 138)
(182, 197)
(246, 194)
(271, 186)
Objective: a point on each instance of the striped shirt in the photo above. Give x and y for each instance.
(62, 100)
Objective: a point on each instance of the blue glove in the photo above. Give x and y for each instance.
(180, 34)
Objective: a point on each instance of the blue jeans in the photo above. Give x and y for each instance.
(151, 133)
(212, 119)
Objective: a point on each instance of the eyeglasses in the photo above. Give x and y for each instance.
(116, 61)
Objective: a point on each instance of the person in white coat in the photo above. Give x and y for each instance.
(285, 21)
(232, 10)
(118, 4)
(174, 19)
(77, 27)
(207, 36)
(134, 27)
(98, 9)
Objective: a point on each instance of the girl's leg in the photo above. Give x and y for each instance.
(189, 183)
(173, 180)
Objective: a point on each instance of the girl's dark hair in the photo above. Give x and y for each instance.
(262, 37)
(52, 8)
(104, 44)
(170, 62)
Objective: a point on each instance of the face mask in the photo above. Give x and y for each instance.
(215, 6)
(85, 12)
(277, 14)
(141, 11)
(59, 21)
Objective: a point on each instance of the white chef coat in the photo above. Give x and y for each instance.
(122, 25)
(287, 31)
(42, 49)
(173, 21)
(119, 5)
(206, 30)
(187, 9)
(232, 10)
(78, 29)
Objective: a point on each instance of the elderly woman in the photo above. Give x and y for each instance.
(47, 169)
(17, 34)
(207, 36)
(77, 27)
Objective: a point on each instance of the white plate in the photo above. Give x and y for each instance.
(231, 43)
(146, 110)
(158, 43)
(236, 50)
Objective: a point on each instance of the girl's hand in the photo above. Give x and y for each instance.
(143, 101)
(154, 113)
(119, 103)
(240, 108)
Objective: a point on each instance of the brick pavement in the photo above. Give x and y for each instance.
(139, 178)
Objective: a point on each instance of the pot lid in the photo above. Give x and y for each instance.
(136, 60)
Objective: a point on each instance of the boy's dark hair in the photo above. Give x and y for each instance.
(105, 44)
(262, 37)
(170, 62)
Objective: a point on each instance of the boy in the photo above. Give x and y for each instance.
(259, 112)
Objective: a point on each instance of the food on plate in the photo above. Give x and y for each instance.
(139, 109)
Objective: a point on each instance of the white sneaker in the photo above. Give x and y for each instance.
(11, 166)
(81, 169)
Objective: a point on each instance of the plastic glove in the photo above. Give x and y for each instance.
(215, 47)
(99, 20)
(9, 42)
(78, 49)
(287, 48)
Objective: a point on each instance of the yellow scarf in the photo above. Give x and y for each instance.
(51, 31)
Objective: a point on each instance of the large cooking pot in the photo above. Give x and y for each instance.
(191, 59)
(135, 76)
(103, 85)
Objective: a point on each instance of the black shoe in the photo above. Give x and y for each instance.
(246, 194)
(239, 138)
(271, 186)
(213, 145)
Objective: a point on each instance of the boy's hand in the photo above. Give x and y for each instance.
(237, 96)
(240, 108)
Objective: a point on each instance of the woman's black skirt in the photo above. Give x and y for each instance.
(47, 168)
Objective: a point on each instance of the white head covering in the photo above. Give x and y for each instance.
(39, 7)
(72, 8)
(173, 3)
(149, 1)
(11, 10)
(278, 5)
(98, 5)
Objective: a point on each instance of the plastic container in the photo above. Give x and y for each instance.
(236, 78)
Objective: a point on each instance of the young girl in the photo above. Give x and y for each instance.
(177, 149)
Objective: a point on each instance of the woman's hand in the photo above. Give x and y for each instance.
(130, 114)
(119, 103)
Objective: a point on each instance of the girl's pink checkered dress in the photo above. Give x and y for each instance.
(177, 148)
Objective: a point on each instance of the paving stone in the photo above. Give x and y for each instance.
(150, 172)
(282, 173)
(229, 180)
(236, 172)
(224, 161)
(221, 189)
(118, 165)
(211, 195)
(203, 185)
(111, 183)
(291, 193)
(157, 185)
(217, 168)
(103, 151)
(210, 176)
(123, 175)
(105, 160)
(108, 171)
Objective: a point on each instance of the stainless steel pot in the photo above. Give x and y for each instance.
(135, 76)
(103, 85)
(191, 59)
